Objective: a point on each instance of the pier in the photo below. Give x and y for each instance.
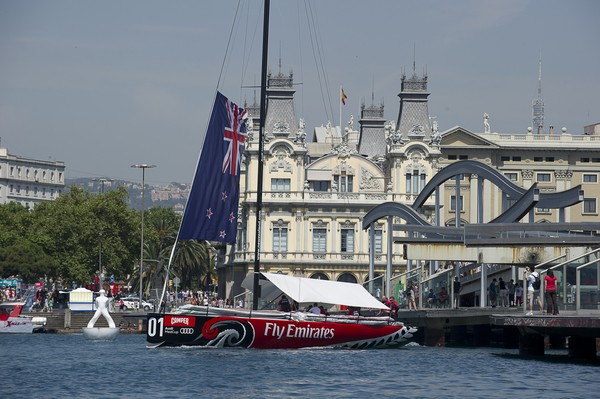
(509, 328)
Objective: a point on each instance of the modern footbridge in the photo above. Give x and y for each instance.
(505, 240)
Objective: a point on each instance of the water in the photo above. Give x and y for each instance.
(56, 365)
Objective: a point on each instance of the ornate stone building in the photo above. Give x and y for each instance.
(29, 181)
(316, 192)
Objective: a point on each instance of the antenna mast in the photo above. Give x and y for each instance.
(538, 104)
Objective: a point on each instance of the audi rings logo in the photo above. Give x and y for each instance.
(186, 331)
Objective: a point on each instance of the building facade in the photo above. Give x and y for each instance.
(29, 181)
(316, 192)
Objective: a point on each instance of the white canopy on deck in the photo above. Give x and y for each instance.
(308, 290)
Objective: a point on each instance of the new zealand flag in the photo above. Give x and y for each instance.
(211, 210)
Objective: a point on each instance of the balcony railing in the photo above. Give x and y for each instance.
(374, 198)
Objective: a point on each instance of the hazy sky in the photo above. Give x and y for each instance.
(102, 85)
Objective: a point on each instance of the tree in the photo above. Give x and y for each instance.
(78, 226)
(189, 263)
(15, 219)
(26, 260)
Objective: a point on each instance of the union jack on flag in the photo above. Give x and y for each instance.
(212, 207)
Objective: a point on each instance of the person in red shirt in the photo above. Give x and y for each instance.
(550, 288)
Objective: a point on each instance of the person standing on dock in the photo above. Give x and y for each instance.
(456, 287)
(511, 292)
(532, 293)
(518, 295)
(550, 288)
(493, 293)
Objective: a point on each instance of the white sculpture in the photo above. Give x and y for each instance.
(486, 122)
(102, 303)
(102, 333)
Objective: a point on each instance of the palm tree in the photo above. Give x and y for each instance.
(189, 262)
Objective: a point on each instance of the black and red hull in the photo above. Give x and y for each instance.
(273, 332)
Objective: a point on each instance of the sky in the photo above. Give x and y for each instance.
(102, 85)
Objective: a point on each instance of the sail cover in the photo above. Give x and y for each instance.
(309, 290)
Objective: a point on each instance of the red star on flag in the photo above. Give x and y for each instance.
(224, 195)
(222, 234)
(209, 213)
(231, 217)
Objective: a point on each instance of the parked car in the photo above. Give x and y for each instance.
(132, 303)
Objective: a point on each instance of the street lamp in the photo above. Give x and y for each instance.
(143, 167)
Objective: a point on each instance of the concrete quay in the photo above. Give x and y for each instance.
(509, 328)
(68, 322)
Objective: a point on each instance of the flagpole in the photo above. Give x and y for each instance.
(259, 188)
(341, 133)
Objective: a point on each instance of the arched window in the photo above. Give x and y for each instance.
(319, 276)
(347, 278)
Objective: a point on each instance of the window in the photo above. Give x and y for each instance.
(589, 205)
(347, 240)
(280, 235)
(320, 185)
(511, 176)
(453, 203)
(585, 160)
(345, 183)
(12, 170)
(543, 177)
(463, 157)
(538, 159)
(504, 158)
(596, 160)
(452, 157)
(516, 159)
(319, 240)
(280, 184)
(378, 242)
(549, 159)
(543, 210)
(590, 178)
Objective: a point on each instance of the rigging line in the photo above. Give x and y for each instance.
(249, 53)
(243, 60)
(228, 44)
(300, 55)
(321, 59)
(310, 32)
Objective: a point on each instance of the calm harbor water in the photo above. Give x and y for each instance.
(56, 365)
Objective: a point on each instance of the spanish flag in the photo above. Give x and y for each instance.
(344, 97)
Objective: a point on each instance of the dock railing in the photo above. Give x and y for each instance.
(570, 295)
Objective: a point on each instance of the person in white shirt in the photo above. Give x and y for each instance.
(532, 293)
(315, 309)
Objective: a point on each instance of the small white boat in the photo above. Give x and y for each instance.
(11, 320)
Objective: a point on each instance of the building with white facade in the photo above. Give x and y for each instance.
(29, 181)
(316, 192)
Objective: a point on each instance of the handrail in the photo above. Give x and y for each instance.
(564, 271)
(578, 282)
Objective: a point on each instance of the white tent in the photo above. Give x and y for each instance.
(309, 290)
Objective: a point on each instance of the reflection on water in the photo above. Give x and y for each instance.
(52, 365)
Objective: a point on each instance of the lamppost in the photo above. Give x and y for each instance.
(143, 167)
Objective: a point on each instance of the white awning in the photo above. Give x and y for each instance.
(309, 290)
